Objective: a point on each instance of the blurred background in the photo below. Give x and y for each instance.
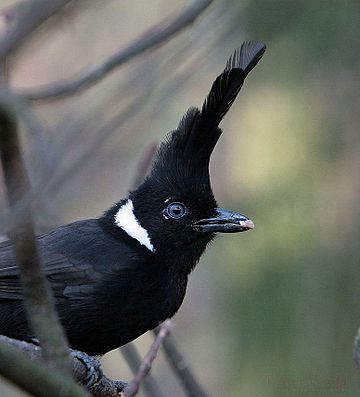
(271, 312)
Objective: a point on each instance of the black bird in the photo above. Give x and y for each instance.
(118, 276)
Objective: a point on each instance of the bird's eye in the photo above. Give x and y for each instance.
(176, 210)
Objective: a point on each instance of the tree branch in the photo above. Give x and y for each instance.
(146, 364)
(21, 363)
(180, 367)
(357, 349)
(152, 38)
(37, 297)
(23, 18)
(133, 359)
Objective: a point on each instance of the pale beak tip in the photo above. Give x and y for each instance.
(250, 224)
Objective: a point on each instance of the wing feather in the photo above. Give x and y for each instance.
(73, 257)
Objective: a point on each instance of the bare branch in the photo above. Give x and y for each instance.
(38, 299)
(133, 359)
(357, 350)
(34, 377)
(146, 364)
(180, 367)
(152, 38)
(23, 18)
(21, 363)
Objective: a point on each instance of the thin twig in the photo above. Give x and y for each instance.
(152, 38)
(180, 367)
(146, 364)
(21, 363)
(23, 19)
(357, 350)
(133, 359)
(38, 300)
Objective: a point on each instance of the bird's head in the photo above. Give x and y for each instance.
(174, 209)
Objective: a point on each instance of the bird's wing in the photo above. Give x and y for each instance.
(10, 287)
(66, 275)
(72, 256)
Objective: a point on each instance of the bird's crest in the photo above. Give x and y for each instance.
(187, 150)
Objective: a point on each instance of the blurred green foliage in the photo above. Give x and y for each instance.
(291, 290)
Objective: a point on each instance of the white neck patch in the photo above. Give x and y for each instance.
(126, 219)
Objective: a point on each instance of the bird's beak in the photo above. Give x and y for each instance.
(224, 221)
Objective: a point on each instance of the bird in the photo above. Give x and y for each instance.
(119, 275)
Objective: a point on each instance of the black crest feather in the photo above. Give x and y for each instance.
(189, 147)
(227, 86)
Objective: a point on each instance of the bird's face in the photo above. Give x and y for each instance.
(177, 218)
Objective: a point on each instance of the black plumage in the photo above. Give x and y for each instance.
(116, 277)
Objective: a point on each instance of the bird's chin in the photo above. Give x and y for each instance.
(224, 221)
